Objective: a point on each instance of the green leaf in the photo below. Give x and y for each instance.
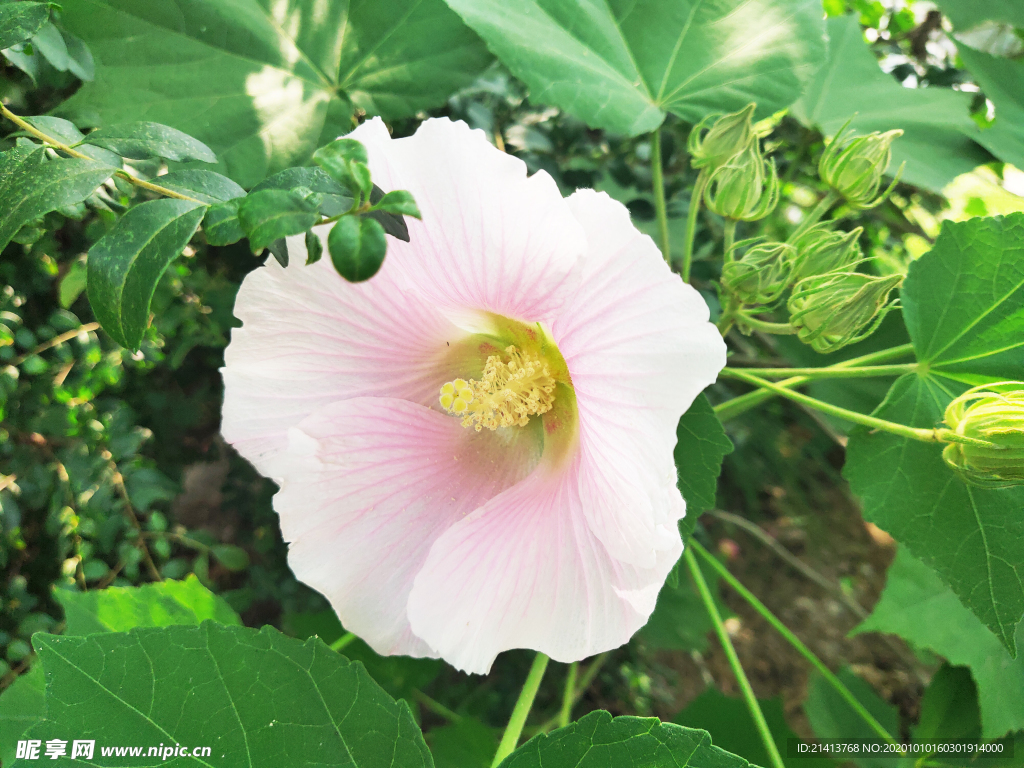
(357, 246)
(67, 133)
(271, 214)
(831, 717)
(393, 224)
(701, 445)
(231, 557)
(314, 247)
(221, 223)
(939, 140)
(969, 13)
(257, 698)
(599, 741)
(80, 61)
(680, 622)
(127, 262)
(144, 140)
(22, 705)
(335, 198)
(918, 607)
(20, 21)
(1002, 81)
(260, 81)
(344, 160)
(51, 46)
(72, 284)
(165, 604)
(206, 186)
(622, 66)
(963, 303)
(949, 707)
(31, 185)
(466, 744)
(731, 727)
(400, 203)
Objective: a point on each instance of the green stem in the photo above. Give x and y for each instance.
(568, 696)
(935, 435)
(58, 145)
(791, 639)
(522, 708)
(691, 225)
(342, 641)
(583, 687)
(779, 329)
(815, 215)
(831, 372)
(435, 706)
(730, 237)
(659, 195)
(734, 661)
(738, 405)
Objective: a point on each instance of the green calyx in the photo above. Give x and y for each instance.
(821, 250)
(744, 189)
(727, 136)
(992, 417)
(854, 165)
(762, 275)
(833, 310)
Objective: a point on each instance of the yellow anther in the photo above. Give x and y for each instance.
(508, 393)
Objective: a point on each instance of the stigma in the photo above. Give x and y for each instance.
(508, 393)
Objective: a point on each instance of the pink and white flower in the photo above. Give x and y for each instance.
(550, 319)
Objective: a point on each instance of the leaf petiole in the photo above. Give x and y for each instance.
(514, 729)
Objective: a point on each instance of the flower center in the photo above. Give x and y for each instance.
(507, 394)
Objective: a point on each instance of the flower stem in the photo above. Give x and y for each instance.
(815, 215)
(659, 195)
(584, 685)
(779, 329)
(737, 405)
(734, 661)
(342, 641)
(522, 708)
(568, 696)
(60, 146)
(792, 639)
(830, 373)
(730, 238)
(691, 225)
(435, 706)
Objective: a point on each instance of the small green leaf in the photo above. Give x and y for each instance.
(949, 707)
(143, 140)
(206, 186)
(279, 250)
(345, 161)
(22, 705)
(831, 717)
(67, 133)
(31, 185)
(80, 61)
(599, 741)
(72, 284)
(700, 448)
(335, 199)
(314, 247)
(393, 225)
(357, 246)
(400, 203)
(20, 21)
(165, 604)
(271, 214)
(259, 699)
(127, 262)
(231, 557)
(51, 46)
(221, 223)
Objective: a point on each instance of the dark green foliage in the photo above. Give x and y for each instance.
(357, 246)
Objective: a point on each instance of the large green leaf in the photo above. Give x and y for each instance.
(31, 185)
(963, 303)
(969, 13)
(20, 21)
(127, 262)
(831, 717)
(256, 698)
(260, 81)
(22, 705)
(701, 445)
(918, 607)
(622, 64)
(1002, 81)
(599, 741)
(118, 609)
(938, 143)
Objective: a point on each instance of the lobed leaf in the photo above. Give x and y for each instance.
(127, 262)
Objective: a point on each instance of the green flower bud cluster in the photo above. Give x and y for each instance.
(991, 417)
(762, 275)
(821, 250)
(838, 308)
(854, 165)
(737, 181)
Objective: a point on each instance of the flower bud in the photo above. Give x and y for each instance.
(854, 166)
(762, 275)
(727, 137)
(993, 413)
(821, 250)
(745, 189)
(833, 310)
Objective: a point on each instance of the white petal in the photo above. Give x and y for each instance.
(370, 483)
